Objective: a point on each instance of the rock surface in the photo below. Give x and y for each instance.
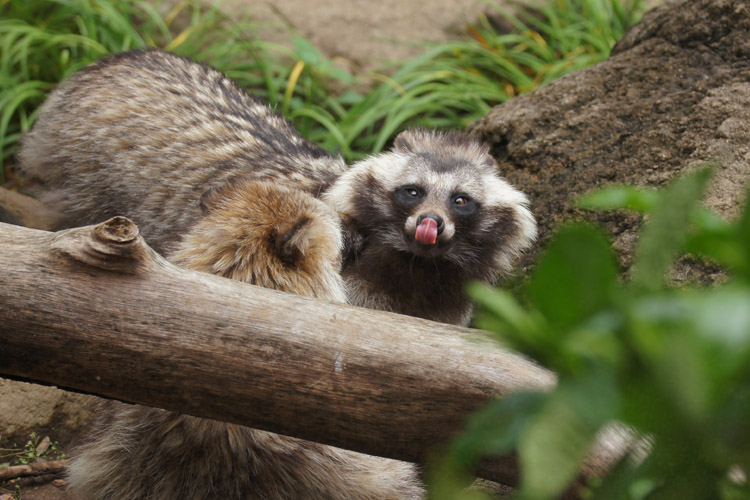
(675, 93)
(48, 411)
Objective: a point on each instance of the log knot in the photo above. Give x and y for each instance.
(113, 245)
(117, 230)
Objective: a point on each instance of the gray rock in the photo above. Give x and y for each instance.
(674, 93)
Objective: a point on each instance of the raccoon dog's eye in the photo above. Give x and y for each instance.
(463, 204)
(408, 196)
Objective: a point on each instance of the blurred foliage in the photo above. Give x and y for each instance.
(672, 364)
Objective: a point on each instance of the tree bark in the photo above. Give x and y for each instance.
(94, 309)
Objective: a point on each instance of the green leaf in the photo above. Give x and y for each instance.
(717, 240)
(503, 305)
(731, 423)
(596, 340)
(447, 480)
(695, 346)
(677, 471)
(515, 327)
(623, 482)
(619, 197)
(575, 277)
(492, 431)
(557, 440)
(495, 429)
(667, 230)
(743, 236)
(306, 51)
(726, 243)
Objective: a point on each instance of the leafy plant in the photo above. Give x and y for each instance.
(671, 364)
(34, 449)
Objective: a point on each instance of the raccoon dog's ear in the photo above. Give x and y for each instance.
(405, 141)
(212, 197)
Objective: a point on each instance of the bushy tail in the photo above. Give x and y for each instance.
(267, 235)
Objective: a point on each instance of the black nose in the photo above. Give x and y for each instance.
(436, 218)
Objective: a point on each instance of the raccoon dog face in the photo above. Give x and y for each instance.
(437, 197)
(430, 207)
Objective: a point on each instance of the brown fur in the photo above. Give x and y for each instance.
(268, 235)
(139, 453)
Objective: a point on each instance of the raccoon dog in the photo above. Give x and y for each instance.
(269, 235)
(424, 219)
(145, 134)
(149, 134)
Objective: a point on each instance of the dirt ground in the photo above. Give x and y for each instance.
(364, 32)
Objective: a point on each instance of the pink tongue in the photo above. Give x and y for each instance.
(427, 231)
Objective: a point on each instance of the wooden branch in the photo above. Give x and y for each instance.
(53, 467)
(96, 310)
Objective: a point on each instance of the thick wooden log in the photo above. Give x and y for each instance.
(94, 309)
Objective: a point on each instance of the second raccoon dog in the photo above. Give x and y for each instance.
(424, 219)
(268, 235)
(143, 134)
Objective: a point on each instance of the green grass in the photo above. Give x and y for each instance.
(449, 86)
(44, 41)
(31, 451)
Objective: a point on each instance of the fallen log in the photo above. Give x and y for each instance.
(94, 309)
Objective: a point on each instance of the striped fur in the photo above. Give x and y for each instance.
(145, 134)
